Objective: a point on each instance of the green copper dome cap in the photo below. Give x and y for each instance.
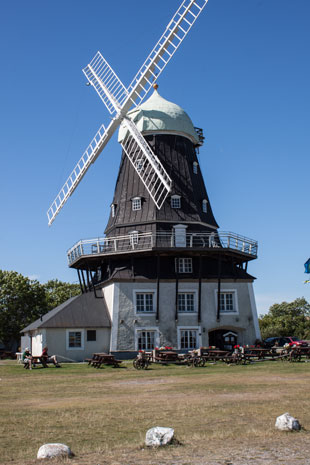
(159, 116)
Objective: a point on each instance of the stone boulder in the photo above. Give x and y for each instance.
(48, 451)
(286, 422)
(159, 436)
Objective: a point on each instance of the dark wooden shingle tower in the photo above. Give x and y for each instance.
(168, 276)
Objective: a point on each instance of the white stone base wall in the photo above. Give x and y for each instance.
(127, 321)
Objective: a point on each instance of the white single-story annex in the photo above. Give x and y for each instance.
(73, 331)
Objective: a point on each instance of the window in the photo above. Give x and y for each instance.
(175, 201)
(204, 205)
(146, 340)
(144, 302)
(195, 167)
(113, 210)
(91, 335)
(227, 302)
(184, 265)
(186, 302)
(188, 339)
(136, 203)
(74, 339)
(134, 238)
(139, 164)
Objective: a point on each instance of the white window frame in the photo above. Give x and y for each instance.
(195, 167)
(74, 330)
(186, 292)
(205, 206)
(175, 202)
(139, 164)
(181, 267)
(136, 204)
(134, 238)
(235, 301)
(151, 329)
(144, 291)
(189, 328)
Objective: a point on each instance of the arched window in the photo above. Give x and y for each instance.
(175, 201)
(113, 207)
(195, 167)
(134, 238)
(205, 205)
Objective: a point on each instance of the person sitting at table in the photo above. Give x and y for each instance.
(27, 358)
(45, 358)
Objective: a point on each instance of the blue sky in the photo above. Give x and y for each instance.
(242, 74)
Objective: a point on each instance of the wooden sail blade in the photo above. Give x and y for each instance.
(108, 86)
(89, 156)
(174, 34)
(147, 164)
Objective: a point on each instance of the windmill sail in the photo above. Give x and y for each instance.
(146, 163)
(89, 156)
(174, 34)
(109, 87)
(118, 100)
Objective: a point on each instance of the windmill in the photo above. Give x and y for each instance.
(118, 100)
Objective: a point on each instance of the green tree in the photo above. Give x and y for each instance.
(21, 302)
(287, 319)
(58, 292)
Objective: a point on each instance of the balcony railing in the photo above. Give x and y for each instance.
(160, 240)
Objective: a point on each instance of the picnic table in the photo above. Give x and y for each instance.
(37, 360)
(258, 353)
(103, 358)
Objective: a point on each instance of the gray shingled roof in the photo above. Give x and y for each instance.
(82, 311)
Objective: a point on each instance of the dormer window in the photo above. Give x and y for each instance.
(139, 164)
(205, 205)
(136, 203)
(113, 207)
(195, 167)
(175, 201)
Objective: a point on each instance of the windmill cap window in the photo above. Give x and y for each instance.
(175, 201)
(136, 203)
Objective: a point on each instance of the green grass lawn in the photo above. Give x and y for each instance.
(219, 413)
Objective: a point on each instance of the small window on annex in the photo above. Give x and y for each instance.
(195, 167)
(91, 335)
(136, 203)
(75, 339)
(184, 265)
(175, 201)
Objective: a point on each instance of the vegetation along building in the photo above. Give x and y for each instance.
(168, 277)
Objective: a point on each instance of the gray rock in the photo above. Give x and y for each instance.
(48, 451)
(286, 422)
(159, 436)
